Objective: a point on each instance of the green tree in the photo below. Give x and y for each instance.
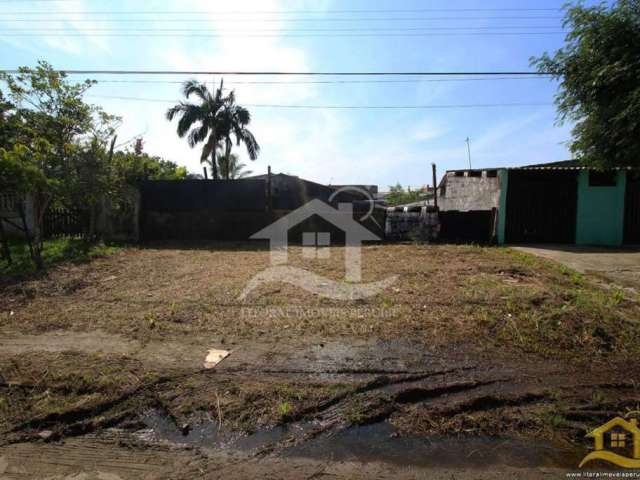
(216, 120)
(399, 196)
(202, 122)
(21, 173)
(235, 122)
(231, 168)
(131, 168)
(599, 67)
(45, 117)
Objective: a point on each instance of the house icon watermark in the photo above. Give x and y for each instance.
(355, 233)
(616, 442)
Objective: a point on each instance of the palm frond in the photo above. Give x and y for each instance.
(198, 134)
(243, 116)
(194, 87)
(244, 135)
(190, 115)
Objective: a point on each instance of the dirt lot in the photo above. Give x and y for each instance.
(472, 350)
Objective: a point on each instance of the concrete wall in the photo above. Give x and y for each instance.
(600, 217)
(465, 193)
(8, 209)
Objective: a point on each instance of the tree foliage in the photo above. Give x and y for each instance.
(59, 149)
(231, 168)
(599, 70)
(216, 120)
(399, 196)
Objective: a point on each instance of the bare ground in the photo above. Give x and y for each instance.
(469, 342)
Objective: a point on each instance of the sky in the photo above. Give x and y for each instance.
(327, 145)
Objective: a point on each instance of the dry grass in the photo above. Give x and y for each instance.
(487, 299)
(38, 388)
(489, 296)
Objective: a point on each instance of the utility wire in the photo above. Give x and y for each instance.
(282, 73)
(276, 30)
(52, 17)
(323, 82)
(245, 12)
(290, 35)
(340, 107)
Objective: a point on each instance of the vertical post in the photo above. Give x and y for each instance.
(204, 169)
(435, 186)
(269, 203)
(468, 140)
(6, 253)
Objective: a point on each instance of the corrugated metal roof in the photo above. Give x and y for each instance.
(562, 165)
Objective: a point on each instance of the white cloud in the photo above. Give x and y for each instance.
(65, 19)
(427, 129)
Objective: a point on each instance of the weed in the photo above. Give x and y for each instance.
(284, 408)
(616, 297)
(598, 397)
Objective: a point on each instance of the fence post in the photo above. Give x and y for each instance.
(6, 253)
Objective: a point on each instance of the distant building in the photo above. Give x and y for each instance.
(561, 202)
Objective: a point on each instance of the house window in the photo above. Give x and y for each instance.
(602, 179)
(312, 240)
(492, 173)
(618, 440)
(475, 173)
(459, 174)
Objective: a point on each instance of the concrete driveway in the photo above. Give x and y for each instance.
(621, 266)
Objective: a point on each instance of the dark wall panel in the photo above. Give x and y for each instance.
(541, 206)
(472, 226)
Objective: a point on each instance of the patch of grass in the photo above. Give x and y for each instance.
(552, 310)
(284, 409)
(37, 385)
(53, 252)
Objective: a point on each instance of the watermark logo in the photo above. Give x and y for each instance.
(616, 442)
(352, 287)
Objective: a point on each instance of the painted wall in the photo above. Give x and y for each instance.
(600, 217)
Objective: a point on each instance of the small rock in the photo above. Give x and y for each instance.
(45, 434)
(185, 429)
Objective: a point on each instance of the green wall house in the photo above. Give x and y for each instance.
(565, 203)
(600, 216)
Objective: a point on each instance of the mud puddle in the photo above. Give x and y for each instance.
(380, 443)
(208, 434)
(377, 442)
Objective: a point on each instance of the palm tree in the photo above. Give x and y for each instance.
(203, 122)
(235, 122)
(231, 168)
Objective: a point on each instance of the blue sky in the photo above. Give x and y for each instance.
(326, 145)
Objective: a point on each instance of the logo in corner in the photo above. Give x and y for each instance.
(352, 288)
(616, 442)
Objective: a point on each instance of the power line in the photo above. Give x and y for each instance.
(276, 30)
(52, 17)
(270, 12)
(293, 73)
(323, 82)
(290, 35)
(340, 107)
